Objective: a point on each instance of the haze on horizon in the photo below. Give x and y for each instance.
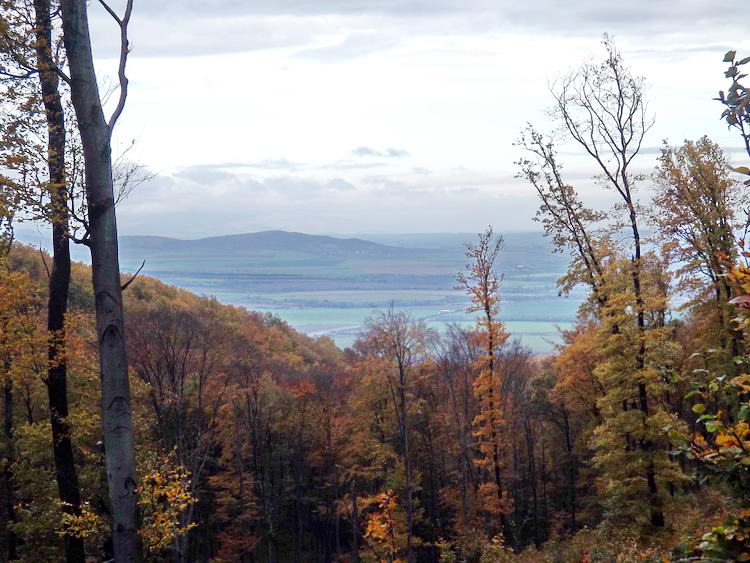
(350, 117)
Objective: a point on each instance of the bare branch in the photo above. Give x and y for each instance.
(124, 51)
(127, 283)
(111, 12)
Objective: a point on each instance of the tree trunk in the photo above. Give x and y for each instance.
(493, 421)
(59, 282)
(657, 516)
(355, 526)
(10, 536)
(116, 415)
(408, 471)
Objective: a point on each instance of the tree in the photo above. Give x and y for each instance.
(177, 353)
(96, 134)
(402, 343)
(456, 360)
(482, 284)
(697, 200)
(18, 303)
(59, 282)
(603, 109)
(563, 215)
(32, 79)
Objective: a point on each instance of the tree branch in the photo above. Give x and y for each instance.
(131, 280)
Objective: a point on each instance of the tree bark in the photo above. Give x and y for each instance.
(116, 414)
(59, 281)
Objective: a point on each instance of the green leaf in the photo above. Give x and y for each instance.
(743, 61)
(729, 56)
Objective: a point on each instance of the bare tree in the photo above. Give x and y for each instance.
(96, 134)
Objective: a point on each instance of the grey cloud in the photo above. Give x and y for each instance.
(635, 11)
(408, 8)
(188, 28)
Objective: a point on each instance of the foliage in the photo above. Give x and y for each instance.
(385, 530)
(163, 496)
(737, 103)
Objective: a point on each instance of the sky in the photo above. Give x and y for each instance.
(353, 116)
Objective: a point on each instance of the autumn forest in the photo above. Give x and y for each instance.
(145, 423)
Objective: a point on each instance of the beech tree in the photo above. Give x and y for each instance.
(96, 135)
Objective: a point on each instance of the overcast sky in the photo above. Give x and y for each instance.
(354, 116)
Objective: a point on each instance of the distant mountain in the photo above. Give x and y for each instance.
(261, 243)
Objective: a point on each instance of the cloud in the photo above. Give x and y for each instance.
(192, 203)
(178, 28)
(357, 44)
(387, 153)
(349, 165)
(267, 164)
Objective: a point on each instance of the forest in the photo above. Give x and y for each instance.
(145, 423)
